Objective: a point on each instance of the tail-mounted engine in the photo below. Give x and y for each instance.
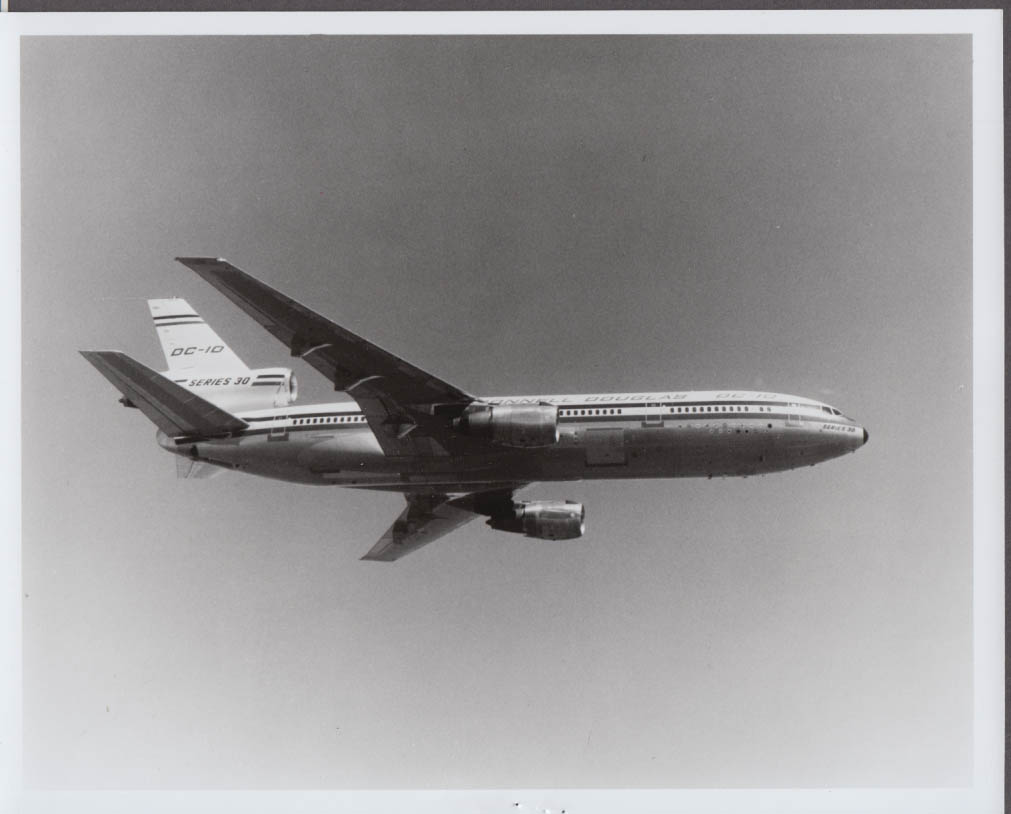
(246, 390)
(543, 519)
(512, 425)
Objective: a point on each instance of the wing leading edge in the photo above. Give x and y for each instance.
(399, 399)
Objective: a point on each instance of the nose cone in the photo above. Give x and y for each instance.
(867, 436)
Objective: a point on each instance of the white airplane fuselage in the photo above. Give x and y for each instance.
(600, 436)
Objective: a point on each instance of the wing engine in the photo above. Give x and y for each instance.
(512, 425)
(543, 519)
(244, 390)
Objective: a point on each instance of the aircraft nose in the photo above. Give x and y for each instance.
(867, 436)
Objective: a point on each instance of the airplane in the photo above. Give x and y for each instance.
(453, 456)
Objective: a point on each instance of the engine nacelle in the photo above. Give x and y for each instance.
(512, 425)
(544, 519)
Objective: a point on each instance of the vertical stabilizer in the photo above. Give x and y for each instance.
(189, 343)
(190, 468)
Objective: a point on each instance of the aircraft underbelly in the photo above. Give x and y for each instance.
(354, 458)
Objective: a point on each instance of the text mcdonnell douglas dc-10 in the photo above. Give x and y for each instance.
(453, 456)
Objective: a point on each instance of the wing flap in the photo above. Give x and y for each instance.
(173, 409)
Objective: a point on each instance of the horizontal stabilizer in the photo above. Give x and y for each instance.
(174, 409)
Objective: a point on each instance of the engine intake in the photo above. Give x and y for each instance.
(512, 425)
(258, 389)
(544, 519)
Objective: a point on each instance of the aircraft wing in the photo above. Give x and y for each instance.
(430, 516)
(398, 399)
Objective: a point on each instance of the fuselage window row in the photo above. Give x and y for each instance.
(327, 420)
(704, 408)
(708, 408)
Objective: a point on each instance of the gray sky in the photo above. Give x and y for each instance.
(515, 215)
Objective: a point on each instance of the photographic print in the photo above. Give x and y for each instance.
(667, 340)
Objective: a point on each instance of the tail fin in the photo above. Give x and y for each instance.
(187, 467)
(189, 343)
(174, 409)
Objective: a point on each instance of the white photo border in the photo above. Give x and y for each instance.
(985, 27)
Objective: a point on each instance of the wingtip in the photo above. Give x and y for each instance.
(206, 265)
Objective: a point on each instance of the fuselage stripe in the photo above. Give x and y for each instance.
(666, 419)
(638, 415)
